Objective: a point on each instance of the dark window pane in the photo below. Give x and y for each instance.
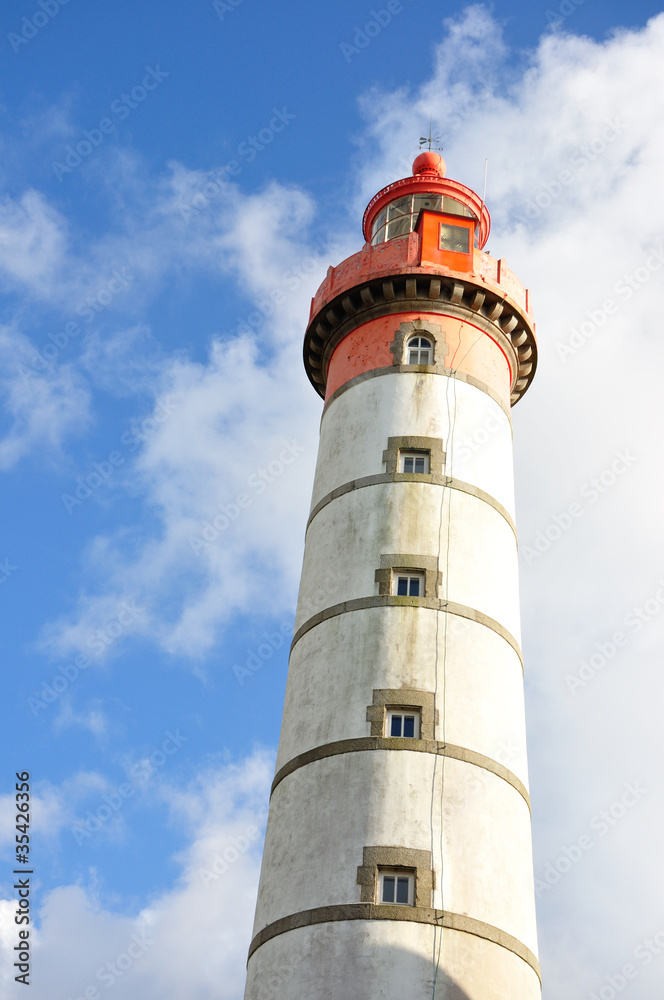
(414, 587)
(402, 891)
(408, 464)
(402, 586)
(396, 726)
(419, 464)
(388, 889)
(409, 725)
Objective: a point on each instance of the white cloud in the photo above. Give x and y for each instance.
(33, 238)
(240, 429)
(43, 404)
(93, 718)
(52, 808)
(190, 940)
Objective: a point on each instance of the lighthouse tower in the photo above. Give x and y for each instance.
(397, 859)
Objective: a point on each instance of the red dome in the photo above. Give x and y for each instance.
(429, 163)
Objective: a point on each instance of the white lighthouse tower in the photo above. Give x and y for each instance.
(398, 858)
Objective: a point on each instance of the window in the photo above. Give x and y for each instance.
(396, 886)
(414, 461)
(420, 351)
(400, 216)
(396, 875)
(455, 238)
(403, 722)
(407, 584)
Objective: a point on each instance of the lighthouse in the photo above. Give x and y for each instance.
(398, 859)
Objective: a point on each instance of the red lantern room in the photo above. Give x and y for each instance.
(423, 260)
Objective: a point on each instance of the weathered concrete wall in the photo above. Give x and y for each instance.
(384, 797)
(378, 959)
(327, 696)
(466, 347)
(474, 544)
(457, 796)
(356, 425)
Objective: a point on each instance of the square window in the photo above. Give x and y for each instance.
(408, 584)
(403, 722)
(414, 461)
(396, 886)
(455, 238)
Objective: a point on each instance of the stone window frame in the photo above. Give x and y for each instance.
(420, 328)
(405, 697)
(414, 442)
(391, 561)
(406, 858)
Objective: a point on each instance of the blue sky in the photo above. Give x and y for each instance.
(154, 293)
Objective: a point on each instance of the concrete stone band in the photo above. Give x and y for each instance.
(419, 370)
(411, 477)
(504, 321)
(391, 601)
(413, 914)
(364, 743)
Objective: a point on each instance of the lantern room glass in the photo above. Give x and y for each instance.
(399, 217)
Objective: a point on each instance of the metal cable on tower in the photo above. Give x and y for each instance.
(397, 856)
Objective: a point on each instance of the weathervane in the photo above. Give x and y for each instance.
(430, 139)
